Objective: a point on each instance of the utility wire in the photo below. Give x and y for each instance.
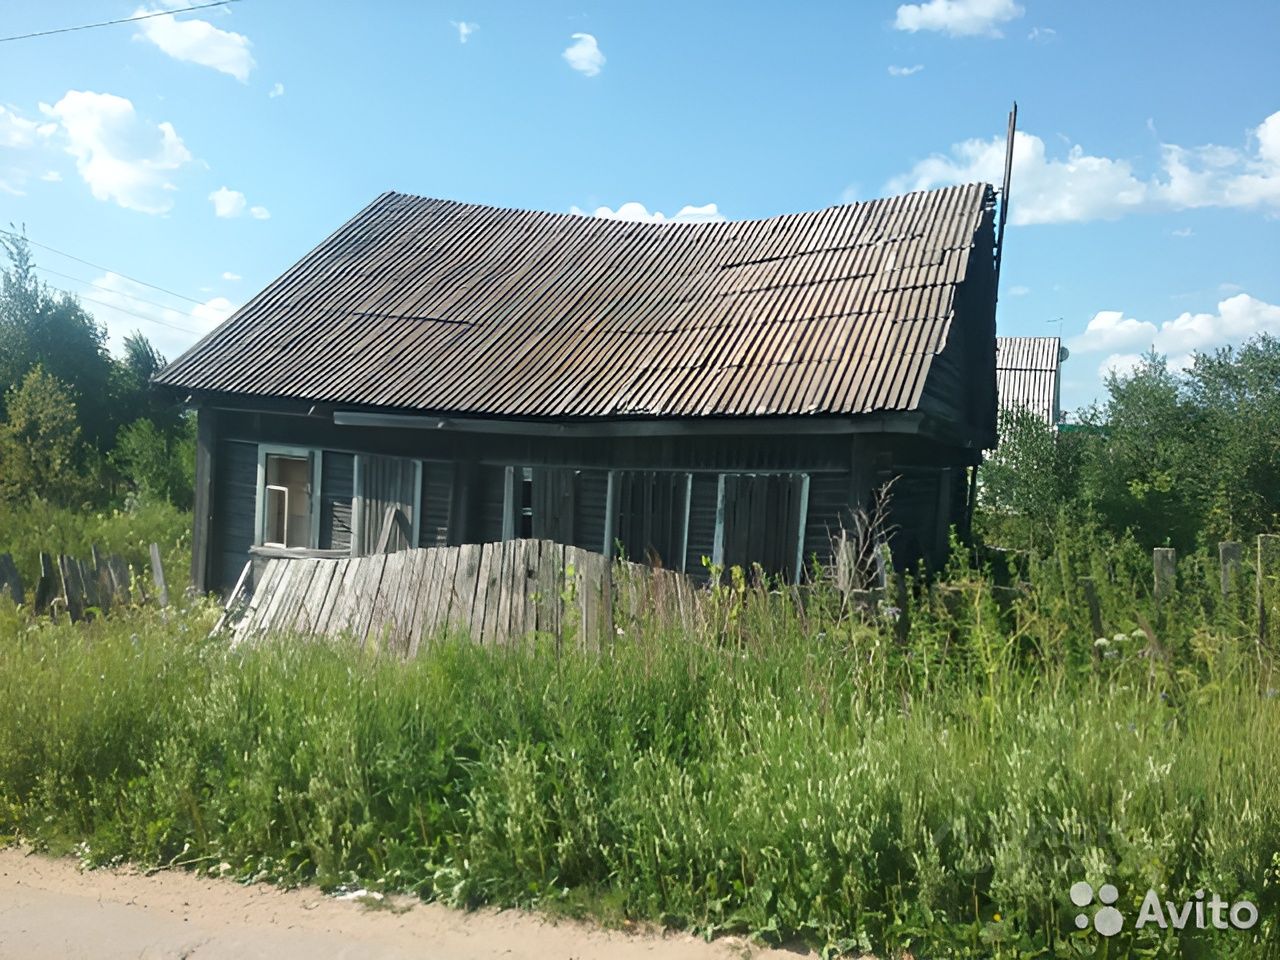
(109, 23)
(98, 266)
(103, 286)
(140, 316)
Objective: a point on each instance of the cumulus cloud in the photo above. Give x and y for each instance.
(465, 29)
(198, 41)
(16, 131)
(228, 275)
(905, 71)
(122, 305)
(959, 18)
(122, 157)
(1124, 339)
(584, 54)
(276, 91)
(228, 204)
(638, 213)
(1081, 186)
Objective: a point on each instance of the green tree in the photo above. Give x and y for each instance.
(43, 327)
(40, 443)
(158, 464)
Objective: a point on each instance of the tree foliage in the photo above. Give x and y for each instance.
(1178, 458)
(106, 430)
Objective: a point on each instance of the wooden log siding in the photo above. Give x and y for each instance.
(495, 593)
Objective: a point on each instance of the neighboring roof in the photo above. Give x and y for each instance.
(435, 306)
(1027, 374)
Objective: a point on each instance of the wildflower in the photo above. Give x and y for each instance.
(1101, 642)
(996, 917)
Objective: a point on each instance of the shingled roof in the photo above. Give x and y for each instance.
(429, 305)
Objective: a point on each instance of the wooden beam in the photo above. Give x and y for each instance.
(202, 532)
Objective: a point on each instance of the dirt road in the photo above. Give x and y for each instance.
(51, 910)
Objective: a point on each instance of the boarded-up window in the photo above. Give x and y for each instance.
(337, 487)
(437, 491)
(388, 491)
(761, 521)
(651, 516)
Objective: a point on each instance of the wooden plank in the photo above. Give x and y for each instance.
(323, 615)
(442, 591)
(46, 585)
(72, 588)
(478, 608)
(400, 620)
(248, 623)
(342, 614)
(1165, 572)
(387, 567)
(464, 588)
(88, 587)
(313, 600)
(426, 598)
(497, 617)
(1230, 557)
(10, 579)
(157, 576)
(529, 560)
(121, 578)
(276, 595)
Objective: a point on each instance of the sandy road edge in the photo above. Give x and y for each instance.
(50, 908)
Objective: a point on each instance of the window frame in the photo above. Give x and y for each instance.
(312, 455)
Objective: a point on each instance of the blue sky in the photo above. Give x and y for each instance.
(204, 152)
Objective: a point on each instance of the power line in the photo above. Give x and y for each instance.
(98, 266)
(103, 286)
(109, 23)
(140, 316)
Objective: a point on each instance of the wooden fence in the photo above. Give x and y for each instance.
(493, 592)
(82, 588)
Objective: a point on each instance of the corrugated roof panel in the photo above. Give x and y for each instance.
(426, 304)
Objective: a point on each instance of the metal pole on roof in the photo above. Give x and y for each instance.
(1004, 190)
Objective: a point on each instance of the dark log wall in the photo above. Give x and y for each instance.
(464, 500)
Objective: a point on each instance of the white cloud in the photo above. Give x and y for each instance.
(198, 41)
(584, 54)
(228, 275)
(1080, 186)
(1182, 232)
(959, 18)
(1019, 291)
(119, 155)
(51, 176)
(1042, 34)
(1236, 319)
(905, 71)
(1121, 364)
(638, 213)
(121, 305)
(276, 91)
(17, 132)
(465, 29)
(227, 203)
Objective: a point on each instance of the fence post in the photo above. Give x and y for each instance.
(1230, 554)
(157, 575)
(1095, 611)
(1265, 577)
(1165, 564)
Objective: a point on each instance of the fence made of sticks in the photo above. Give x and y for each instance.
(80, 589)
(494, 592)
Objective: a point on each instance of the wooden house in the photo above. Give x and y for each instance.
(443, 373)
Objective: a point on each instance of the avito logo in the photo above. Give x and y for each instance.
(1109, 921)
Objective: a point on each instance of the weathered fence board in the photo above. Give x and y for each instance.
(496, 593)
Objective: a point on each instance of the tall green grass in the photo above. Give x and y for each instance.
(29, 527)
(788, 774)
